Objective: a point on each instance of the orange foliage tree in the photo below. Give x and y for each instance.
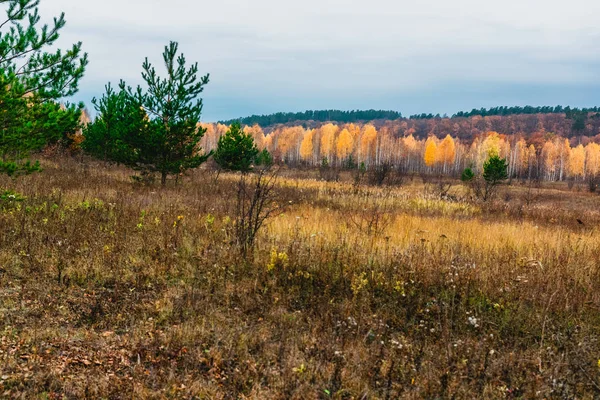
(592, 160)
(307, 146)
(430, 157)
(577, 162)
(328, 133)
(345, 144)
(368, 144)
(446, 153)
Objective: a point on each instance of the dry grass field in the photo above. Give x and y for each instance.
(112, 290)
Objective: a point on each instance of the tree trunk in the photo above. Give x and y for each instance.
(163, 178)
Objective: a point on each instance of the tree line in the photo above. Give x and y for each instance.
(533, 122)
(504, 111)
(316, 115)
(578, 116)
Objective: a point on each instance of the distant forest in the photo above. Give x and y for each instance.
(505, 111)
(317, 116)
(313, 118)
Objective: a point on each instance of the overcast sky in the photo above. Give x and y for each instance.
(264, 56)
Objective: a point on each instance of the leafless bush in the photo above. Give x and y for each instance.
(145, 178)
(212, 169)
(438, 187)
(483, 190)
(358, 178)
(532, 194)
(256, 202)
(426, 178)
(373, 213)
(379, 173)
(396, 178)
(328, 173)
(593, 183)
(385, 174)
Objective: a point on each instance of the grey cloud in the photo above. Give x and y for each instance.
(273, 55)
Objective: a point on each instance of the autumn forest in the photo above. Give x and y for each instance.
(548, 146)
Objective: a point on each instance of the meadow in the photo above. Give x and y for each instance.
(114, 289)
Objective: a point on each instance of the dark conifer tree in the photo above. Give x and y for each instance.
(32, 79)
(236, 150)
(156, 130)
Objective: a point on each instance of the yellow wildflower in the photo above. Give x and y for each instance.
(278, 260)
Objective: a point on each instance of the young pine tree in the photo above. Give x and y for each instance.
(264, 159)
(495, 170)
(236, 150)
(31, 80)
(172, 140)
(467, 175)
(118, 131)
(157, 130)
(16, 140)
(494, 173)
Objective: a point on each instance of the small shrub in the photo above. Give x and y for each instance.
(593, 184)
(264, 159)
(379, 173)
(439, 187)
(372, 215)
(145, 178)
(467, 175)
(9, 197)
(327, 172)
(494, 174)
